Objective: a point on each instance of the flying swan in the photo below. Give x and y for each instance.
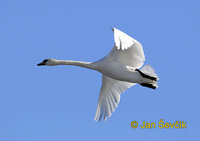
(120, 71)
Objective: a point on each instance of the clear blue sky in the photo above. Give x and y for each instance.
(59, 103)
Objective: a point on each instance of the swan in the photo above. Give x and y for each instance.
(120, 71)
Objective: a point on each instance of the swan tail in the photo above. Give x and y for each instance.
(148, 72)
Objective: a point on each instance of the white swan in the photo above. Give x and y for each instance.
(120, 71)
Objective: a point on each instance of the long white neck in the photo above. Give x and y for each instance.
(88, 65)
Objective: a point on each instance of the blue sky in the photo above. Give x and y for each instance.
(59, 103)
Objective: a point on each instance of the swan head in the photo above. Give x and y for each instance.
(47, 62)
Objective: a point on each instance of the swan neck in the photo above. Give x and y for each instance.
(76, 63)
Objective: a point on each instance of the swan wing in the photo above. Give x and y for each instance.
(109, 97)
(126, 50)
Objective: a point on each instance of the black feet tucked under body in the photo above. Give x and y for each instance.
(148, 85)
(146, 76)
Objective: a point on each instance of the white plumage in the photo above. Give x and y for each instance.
(109, 97)
(127, 50)
(119, 72)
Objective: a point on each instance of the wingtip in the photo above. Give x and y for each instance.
(113, 29)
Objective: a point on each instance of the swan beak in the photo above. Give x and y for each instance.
(43, 63)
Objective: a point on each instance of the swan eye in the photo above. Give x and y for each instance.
(44, 61)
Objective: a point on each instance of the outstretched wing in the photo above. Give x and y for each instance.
(126, 50)
(109, 97)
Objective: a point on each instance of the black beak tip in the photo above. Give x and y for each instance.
(40, 64)
(43, 63)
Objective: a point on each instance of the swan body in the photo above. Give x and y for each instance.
(120, 71)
